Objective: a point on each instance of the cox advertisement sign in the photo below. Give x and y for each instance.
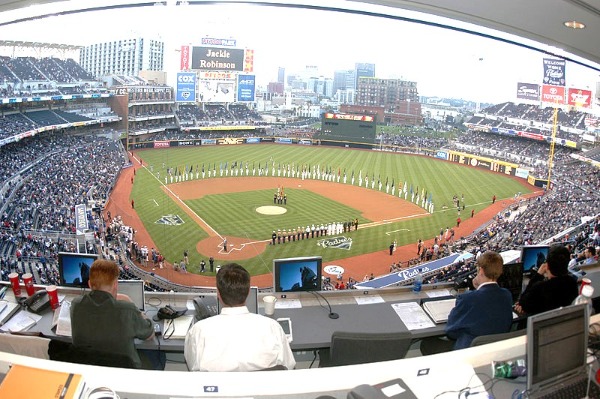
(245, 89)
(186, 87)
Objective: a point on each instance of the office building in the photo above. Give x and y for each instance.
(399, 98)
(281, 75)
(123, 57)
(362, 70)
(344, 80)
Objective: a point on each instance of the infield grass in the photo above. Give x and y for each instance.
(233, 214)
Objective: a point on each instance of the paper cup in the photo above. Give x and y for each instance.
(269, 302)
(53, 296)
(14, 282)
(28, 281)
(584, 281)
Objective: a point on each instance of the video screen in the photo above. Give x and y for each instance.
(297, 274)
(74, 269)
(533, 256)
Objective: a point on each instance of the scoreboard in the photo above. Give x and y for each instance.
(348, 127)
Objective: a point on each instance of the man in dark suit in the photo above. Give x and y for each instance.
(486, 310)
(551, 287)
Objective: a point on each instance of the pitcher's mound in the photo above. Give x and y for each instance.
(271, 210)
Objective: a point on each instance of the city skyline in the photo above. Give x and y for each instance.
(442, 62)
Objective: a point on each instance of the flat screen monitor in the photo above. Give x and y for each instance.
(74, 269)
(532, 257)
(134, 289)
(512, 279)
(297, 274)
(251, 301)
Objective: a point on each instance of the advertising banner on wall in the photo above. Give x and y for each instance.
(246, 87)
(81, 222)
(185, 58)
(217, 59)
(579, 98)
(216, 91)
(186, 87)
(554, 72)
(553, 94)
(249, 61)
(528, 91)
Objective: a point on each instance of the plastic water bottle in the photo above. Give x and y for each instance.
(587, 292)
(418, 283)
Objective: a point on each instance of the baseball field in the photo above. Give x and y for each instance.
(193, 198)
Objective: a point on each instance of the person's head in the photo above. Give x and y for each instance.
(489, 265)
(558, 260)
(103, 276)
(233, 284)
(590, 251)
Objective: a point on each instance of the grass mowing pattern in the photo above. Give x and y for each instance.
(235, 213)
(232, 214)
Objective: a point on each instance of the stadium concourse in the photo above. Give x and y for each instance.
(376, 263)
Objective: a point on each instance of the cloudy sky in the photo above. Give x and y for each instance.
(441, 61)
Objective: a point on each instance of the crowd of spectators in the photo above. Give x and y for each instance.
(216, 114)
(49, 76)
(522, 151)
(42, 198)
(527, 113)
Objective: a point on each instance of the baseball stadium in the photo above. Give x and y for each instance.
(368, 201)
(194, 176)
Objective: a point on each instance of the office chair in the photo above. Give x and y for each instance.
(489, 338)
(67, 352)
(357, 348)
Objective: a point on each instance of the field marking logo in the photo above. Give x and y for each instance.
(171, 220)
(336, 242)
(333, 270)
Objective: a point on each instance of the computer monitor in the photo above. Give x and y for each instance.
(557, 343)
(512, 279)
(251, 301)
(532, 257)
(74, 269)
(297, 274)
(134, 289)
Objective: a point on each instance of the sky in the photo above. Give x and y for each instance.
(444, 63)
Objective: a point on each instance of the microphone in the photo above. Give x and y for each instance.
(332, 315)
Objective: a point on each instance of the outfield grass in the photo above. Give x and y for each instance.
(233, 214)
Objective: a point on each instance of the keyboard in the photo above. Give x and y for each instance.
(577, 390)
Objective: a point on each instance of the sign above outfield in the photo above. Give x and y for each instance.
(217, 59)
(349, 117)
(211, 41)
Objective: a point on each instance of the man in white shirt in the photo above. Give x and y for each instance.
(236, 340)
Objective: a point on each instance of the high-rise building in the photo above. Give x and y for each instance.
(362, 69)
(123, 57)
(344, 80)
(281, 75)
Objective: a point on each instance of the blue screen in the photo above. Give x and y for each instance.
(74, 269)
(534, 256)
(300, 274)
